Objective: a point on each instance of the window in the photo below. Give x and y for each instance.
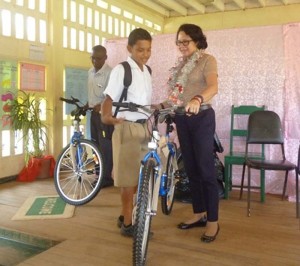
(19, 20)
(92, 16)
(6, 22)
(30, 28)
(27, 20)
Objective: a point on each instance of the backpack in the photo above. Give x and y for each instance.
(107, 130)
(127, 82)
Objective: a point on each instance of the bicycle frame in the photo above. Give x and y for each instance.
(159, 175)
(75, 141)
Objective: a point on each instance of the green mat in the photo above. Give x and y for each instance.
(44, 207)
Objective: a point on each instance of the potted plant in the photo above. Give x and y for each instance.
(25, 115)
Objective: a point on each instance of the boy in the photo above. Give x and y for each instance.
(130, 136)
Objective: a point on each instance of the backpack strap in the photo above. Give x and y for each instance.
(149, 69)
(127, 78)
(127, 82)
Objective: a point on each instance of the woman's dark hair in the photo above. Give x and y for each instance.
(196, 34)
(138, 34)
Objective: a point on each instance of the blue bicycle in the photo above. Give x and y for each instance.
(79, 168)
(155, 179)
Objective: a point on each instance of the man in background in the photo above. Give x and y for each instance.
(98, 77)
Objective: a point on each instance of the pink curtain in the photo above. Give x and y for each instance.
(257, 66)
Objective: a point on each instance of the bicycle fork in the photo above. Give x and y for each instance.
(156, 180)
(155, 192)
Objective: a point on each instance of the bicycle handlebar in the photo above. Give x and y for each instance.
(70, 101)
(132, 107)
(80, 110)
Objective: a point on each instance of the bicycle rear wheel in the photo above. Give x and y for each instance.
(78, 172)
(143, 215)
(167, 200)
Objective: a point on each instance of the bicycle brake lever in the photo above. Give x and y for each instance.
(145, 109)
(132, 107)
(75, 99)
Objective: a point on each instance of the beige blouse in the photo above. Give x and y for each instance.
(196, 81)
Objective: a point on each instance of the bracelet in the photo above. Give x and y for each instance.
(200, 97)
(197, 99)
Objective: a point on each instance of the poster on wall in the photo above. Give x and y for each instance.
(32, 77)
(76, 86)
(8, 88)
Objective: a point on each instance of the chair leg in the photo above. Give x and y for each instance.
(284, 185)
(248, 198)
(230, 177)
(262, 185)
(242, 182)
(297, 195)
(226, 177)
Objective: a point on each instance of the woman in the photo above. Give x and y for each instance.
(193, 83)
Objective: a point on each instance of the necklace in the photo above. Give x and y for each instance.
(179, 76)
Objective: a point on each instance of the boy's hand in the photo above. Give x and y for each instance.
(118, 120)
(97, 108)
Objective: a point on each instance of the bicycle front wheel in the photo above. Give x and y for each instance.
(143, 215)
(167, 199)
(78, 172)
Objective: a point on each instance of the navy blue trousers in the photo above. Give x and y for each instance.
(196, 138)
(104, 144)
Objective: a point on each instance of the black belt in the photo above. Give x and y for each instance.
(181, 110)
(139, 121)
(205, 107)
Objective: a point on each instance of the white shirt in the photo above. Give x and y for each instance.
(97, 82)
(139, 92)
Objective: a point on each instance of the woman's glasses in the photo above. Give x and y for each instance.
(184, 42)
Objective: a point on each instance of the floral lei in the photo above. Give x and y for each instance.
(179, 76)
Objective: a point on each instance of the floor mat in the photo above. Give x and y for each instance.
(44, 207)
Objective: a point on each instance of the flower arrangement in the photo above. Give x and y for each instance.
(179, 76)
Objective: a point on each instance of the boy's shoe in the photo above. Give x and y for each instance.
(127, 230)
(120, 221)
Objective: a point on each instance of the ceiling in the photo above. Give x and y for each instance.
(175, 8)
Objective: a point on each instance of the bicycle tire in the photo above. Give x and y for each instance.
(167, 200)
(143, 215)
(77, 177)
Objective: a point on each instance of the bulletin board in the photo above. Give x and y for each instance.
(32, 77)
(76, 85)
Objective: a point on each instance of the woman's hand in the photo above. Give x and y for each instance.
(193, 106)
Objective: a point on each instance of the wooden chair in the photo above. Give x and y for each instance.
(264, 128)
(235, 157)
